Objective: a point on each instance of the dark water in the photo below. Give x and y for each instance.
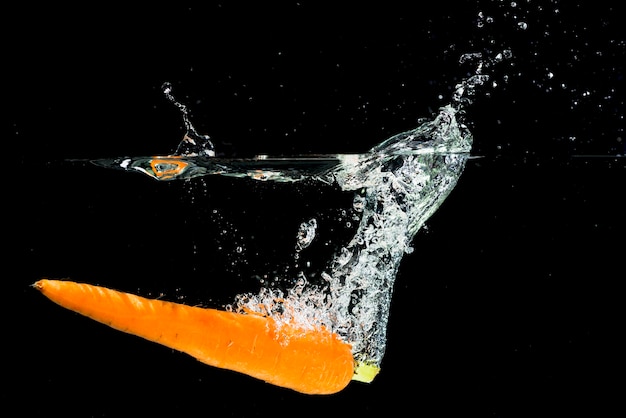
(508, 305)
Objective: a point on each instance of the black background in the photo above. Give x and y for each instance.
(507, 307)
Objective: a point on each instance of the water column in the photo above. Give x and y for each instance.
(401, 183)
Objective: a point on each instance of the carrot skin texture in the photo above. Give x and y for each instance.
(311, 362)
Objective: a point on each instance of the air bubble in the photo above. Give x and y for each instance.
(358, 203)
(306, 234)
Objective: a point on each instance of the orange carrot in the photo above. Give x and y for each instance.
(167, 168)
(313, 362)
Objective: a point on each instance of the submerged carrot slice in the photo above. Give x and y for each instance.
(312, 362)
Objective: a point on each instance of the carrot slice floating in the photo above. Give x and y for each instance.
(307, 361)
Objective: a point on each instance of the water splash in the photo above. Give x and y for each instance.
(193, 144)
(397, 186)
(466, 89)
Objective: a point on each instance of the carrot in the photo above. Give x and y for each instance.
(167, 168)
(307, 361)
